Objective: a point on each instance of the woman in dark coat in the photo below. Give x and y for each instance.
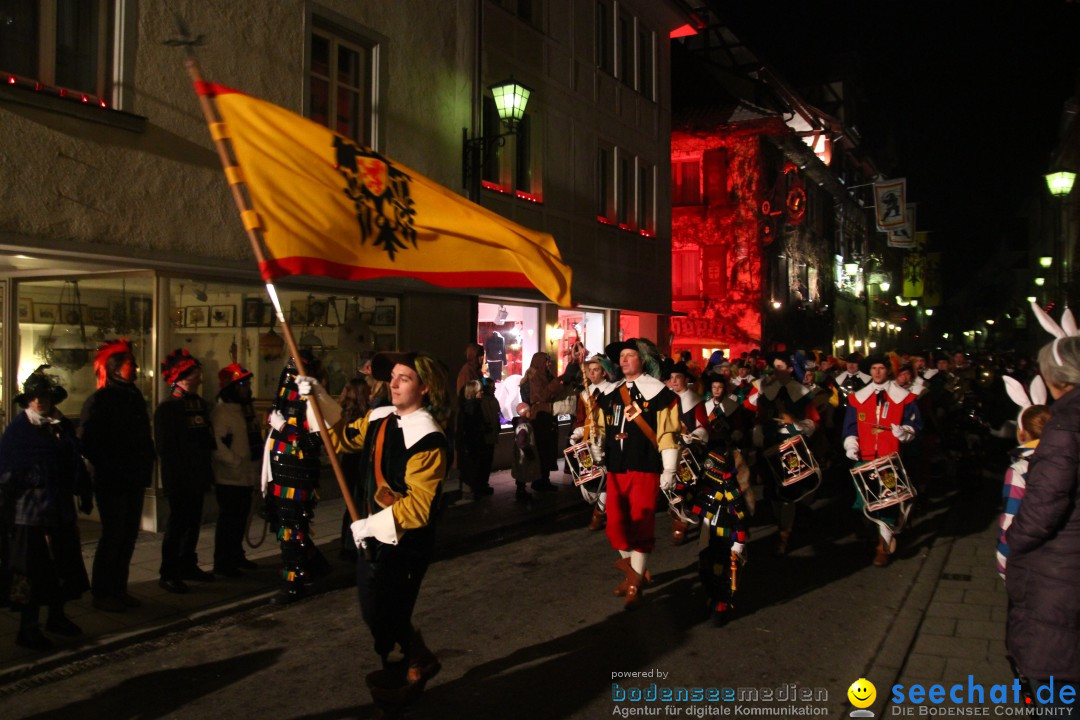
(544, 390)
(41, 472)
(1043, 579)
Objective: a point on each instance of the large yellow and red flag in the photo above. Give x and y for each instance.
(327, 206)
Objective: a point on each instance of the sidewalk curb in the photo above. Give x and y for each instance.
(24, 675)
(891, 657)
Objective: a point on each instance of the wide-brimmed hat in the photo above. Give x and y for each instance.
(382, 364)
(40, 385)
(650, 355)
(232, 373)
(684, 370)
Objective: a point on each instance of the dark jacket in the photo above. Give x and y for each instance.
(116, 438)
(1043, 577)
(41, 472)
(185, 444)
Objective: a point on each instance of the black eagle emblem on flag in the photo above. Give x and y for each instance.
(380, 194)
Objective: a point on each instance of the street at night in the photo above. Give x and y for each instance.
(540, 359)
(528, 628)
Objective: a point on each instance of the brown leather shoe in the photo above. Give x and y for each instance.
(424, 664)
(623, 566)
(883, 555)
(678, 531)
(633, 590)
(597, 521)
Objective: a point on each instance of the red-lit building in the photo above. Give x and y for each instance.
(764, 216)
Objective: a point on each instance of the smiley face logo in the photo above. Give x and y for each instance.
(862, 693)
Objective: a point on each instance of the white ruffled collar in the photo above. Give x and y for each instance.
(414, 427)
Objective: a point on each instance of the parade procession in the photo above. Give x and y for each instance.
(538, 359)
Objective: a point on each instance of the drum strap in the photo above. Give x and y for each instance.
(643, 426)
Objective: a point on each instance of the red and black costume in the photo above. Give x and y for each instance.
(185, 445)
(118, 442)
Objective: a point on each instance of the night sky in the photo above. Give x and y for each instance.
(963, 98)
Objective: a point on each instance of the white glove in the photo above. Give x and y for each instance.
(903, 433)
(739, 549)
(687, 439)
(667, 480)
(851, 448)
(360, 532)
(277, 420)
(305, 385)
(577, 435)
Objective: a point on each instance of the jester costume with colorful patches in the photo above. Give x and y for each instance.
(291, 494)
(724, 511)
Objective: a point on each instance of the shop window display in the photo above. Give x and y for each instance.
(510, 335)
(223, 323)
(585, 327)
(62, 322)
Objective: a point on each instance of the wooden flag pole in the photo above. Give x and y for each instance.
(249, 217)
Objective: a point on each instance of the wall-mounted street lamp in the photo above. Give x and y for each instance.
(511, 97)
(1040, 281)
(1060, 183)
(885, 286)
(1046, 261)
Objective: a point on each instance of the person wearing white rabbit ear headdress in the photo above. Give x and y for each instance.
(1043, 573)
(1029, 426)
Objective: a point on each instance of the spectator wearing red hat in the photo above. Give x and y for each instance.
(117, 440)
(185, 445)
(237, 462)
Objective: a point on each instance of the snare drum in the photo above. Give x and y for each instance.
(882, 482)
(680, 495)
(582, 466)
(791, 461)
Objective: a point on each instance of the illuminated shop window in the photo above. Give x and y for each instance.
(510, 335)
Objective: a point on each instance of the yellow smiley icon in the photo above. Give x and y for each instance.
(862, 693)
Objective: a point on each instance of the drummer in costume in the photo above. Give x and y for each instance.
(407, 455)
(290, 479)
(879, 418)
(589, 427)
(783, 409)
(641, 448)
(852, 378)
(724, 502)
(693, 429)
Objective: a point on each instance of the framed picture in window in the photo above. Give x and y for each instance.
(384, 315)
(46, 312)
(253, 312)
(197, 316)
(25, 309)
(223, 316)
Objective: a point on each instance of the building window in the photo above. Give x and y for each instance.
(510, 334)
(341, 82)
(625, 189)
(685, 273)
(645, 215)
(686, 182)
(626, 49)
(646, 39)
(604, 41)
(62, 43)
(523, 166)
(605, 183)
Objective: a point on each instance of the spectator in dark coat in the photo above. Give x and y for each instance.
(41, 471)
(185, 444)
(544, 390)
(1043, 581)
(116, 439)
